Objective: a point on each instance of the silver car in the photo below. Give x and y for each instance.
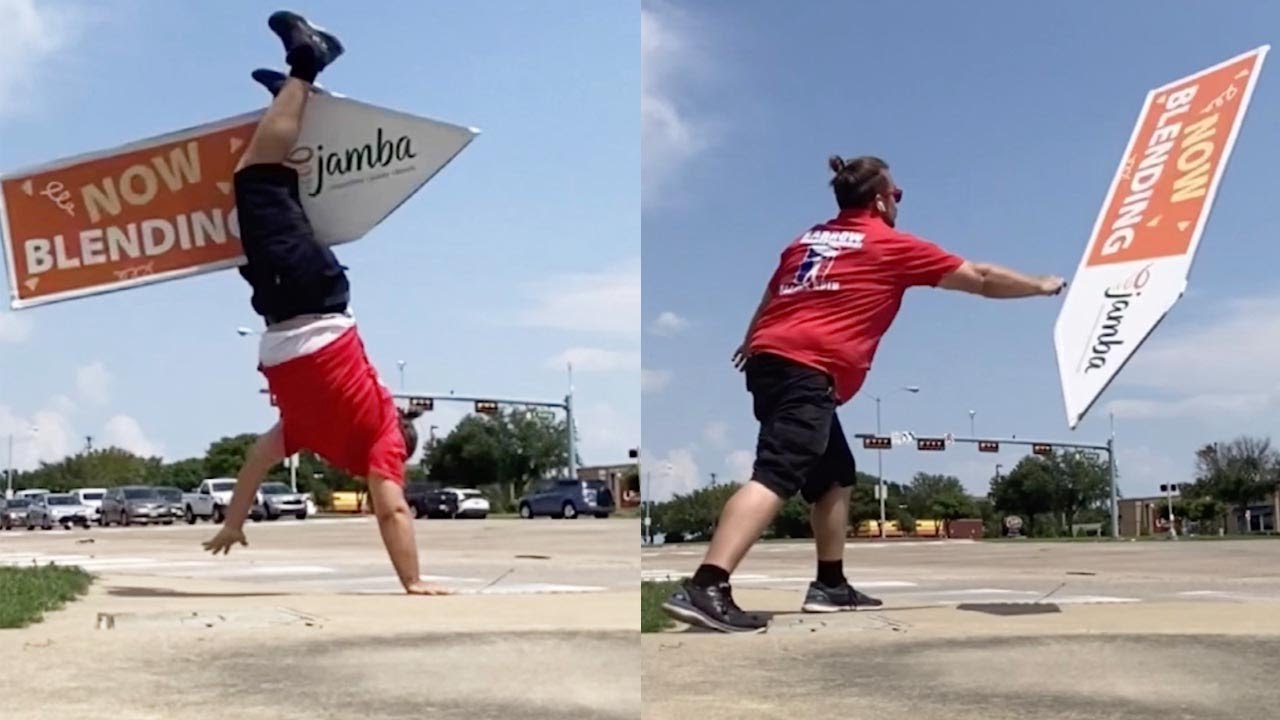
(134, 504)
(276, 499)
(172, 496)
(62, 509)
(13, 512)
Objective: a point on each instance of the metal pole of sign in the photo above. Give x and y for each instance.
(1115, 495)
(1169, 493)
(568, 407)
(880, 471)
(648, 506)
(293, 472)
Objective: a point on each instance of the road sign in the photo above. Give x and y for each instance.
(164, 208)
(425, 404)
(933, 444)
(988, 446)
(1042, 449)
(486, 407)
(1144, 240)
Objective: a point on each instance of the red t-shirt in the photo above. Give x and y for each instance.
(837, 290)
(332, 403)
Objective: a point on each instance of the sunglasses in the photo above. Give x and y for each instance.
(897, 195)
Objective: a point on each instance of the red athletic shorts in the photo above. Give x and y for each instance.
(332, 404)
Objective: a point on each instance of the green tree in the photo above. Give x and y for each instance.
(1236, 473)
(106, 467)
(185, 474)
(1026, 491)
(225, 456)
(512, 449)
(926, 488)
(692, 515)
(1080, 482)
(952, 503)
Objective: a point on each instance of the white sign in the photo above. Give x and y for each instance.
(1136, 263)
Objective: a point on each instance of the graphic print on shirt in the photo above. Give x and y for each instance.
(824, 247)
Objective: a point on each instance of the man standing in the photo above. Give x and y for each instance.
(807, 351)
(330, 397)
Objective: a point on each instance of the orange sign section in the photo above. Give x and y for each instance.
(163, 209)
(1166, 184)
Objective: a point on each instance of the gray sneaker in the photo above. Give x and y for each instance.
(823, 599)
(712, 608)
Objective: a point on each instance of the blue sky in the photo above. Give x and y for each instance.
(1004, 122)
(523, 253)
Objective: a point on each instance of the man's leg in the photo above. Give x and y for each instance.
(830, 520)
(395, 523)
(742, 521)
(278, 130)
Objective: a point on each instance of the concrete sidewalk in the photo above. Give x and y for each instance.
(146, 647)
(1153, 661)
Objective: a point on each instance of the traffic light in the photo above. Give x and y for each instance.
(988, 446)
(486, 407)
(425, 404)
(1169, 488)
(1042, 449)
(877, 442)
(934, 444)
(633, 453)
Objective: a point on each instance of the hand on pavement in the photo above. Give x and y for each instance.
(226, 537)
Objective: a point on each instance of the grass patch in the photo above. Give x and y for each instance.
(652, 595)
(26, 593)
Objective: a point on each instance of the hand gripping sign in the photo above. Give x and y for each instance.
(164, 208)
(1136, 264)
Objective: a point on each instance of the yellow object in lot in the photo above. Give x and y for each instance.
(929, 528)
(350, 501)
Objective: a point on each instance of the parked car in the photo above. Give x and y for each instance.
(31, 493)
(276, 499)
(13, 512)
(172, 497)
(568, 499)
(468, 503)
(135, 504)
(210, 500)
(415, 494)
(93, 498)
(52, 509)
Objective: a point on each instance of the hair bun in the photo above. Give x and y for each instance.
(836, 163)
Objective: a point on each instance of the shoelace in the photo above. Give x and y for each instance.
(723, 599)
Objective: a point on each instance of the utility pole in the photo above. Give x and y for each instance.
(713, 479)
(568, 406)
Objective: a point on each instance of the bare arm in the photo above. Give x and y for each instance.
(265, 453)
(993, 281)
(740, 355)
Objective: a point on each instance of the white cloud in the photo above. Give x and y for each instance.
(601, 302)
(669, 324)
(124, 432)
(676, 474)
(46, 435)
(717, 433)
(669, 134)
(35, 33)
(93, 381)
(14, 328)
(740, 466)
(1141, 470)
(589, 359)
(652, 381)
(606, 434)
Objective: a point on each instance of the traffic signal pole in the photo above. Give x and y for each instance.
(1040, 447)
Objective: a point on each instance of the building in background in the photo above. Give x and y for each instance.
(623, 481)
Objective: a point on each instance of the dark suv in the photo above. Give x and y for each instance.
(568, 499)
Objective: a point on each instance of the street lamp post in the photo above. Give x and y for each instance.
(401, 364)
(880, 453)
(972, 432)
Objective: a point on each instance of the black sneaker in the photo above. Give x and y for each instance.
(823, 599)
(712, 608)
(296, 32)
(273, 80)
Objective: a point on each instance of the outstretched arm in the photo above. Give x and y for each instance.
(265, 453)
(994, 281)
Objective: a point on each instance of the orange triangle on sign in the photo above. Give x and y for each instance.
(32, 283)
(1183, 224)
(225, 187)
(26, 187)
(1242, 73)
(235, 144)
(1154, 221)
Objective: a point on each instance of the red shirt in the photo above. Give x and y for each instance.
(332, 403)
(837, 290)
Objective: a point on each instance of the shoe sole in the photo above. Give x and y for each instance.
(692, 616)
(289, 19)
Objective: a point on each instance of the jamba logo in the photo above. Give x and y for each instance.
(322, 165)
(1117, 299)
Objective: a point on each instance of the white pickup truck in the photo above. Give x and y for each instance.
(210, 500)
